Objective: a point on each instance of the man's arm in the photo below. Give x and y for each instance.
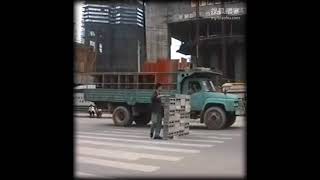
(158, 98)
(155, 97)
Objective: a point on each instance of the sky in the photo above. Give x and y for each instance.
(175, 44)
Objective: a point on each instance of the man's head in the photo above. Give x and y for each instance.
(158, 86)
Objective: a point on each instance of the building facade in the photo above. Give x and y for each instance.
(115, 29)
(221, 40)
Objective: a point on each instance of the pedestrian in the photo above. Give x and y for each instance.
(91, 110)
(156, 115)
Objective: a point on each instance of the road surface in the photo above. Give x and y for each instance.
(105, 150)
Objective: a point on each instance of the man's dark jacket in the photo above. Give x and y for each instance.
(156, 105)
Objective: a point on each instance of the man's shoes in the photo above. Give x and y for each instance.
(151, 134)
(158, 137)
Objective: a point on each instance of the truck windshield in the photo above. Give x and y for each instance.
(208, 86)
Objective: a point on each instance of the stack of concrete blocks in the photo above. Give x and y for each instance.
(183, 108)
(169, 117)
(176, 116)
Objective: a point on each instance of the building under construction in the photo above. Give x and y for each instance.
(127, 33)
(212, 32)
(115, 29)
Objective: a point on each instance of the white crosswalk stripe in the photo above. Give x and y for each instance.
(200, 140)
(145, 133)
(208, 133)
(126, 132)
(124, 154)
(144, 137)
(83, 174)
(105, 153)
(213, 133)
(214, 137)
(117, 135)
(146, 141)
(117, 164)
(134, 146)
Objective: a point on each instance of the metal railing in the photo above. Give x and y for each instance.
(131, 80)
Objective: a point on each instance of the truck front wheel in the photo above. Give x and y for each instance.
(231, 120)
(215, 118)
(121, 116)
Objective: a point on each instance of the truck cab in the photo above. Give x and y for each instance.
(215, 109)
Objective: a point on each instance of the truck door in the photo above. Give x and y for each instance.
(195, 90)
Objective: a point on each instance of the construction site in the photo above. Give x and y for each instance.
(133, 36)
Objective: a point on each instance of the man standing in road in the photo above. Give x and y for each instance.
(156, 116)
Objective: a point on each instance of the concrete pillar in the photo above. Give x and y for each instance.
(240, 64)
(169, 41)
(214, 60)
(223, 50)
(158, 45)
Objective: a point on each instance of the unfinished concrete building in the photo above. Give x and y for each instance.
(115, 29)
(220, 38)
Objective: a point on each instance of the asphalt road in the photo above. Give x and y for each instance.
(105, 150)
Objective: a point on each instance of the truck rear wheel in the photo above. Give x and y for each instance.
(142, 119)
(121, 116)
(215, 118)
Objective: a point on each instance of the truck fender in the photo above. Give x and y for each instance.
(209, 103)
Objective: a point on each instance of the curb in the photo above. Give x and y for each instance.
(87, 115)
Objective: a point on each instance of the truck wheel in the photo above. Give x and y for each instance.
(121, 116)
(215, 118)
(231, 120)
(142, 119)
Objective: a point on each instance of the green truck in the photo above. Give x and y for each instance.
(128, 96)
